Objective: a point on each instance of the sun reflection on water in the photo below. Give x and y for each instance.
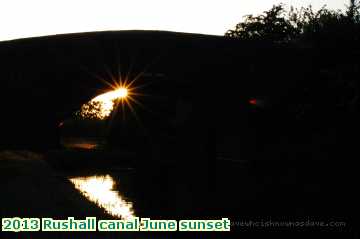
(100, 189)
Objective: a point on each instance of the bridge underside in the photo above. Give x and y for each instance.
(44, 80)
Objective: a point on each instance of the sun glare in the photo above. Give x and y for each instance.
(124, 93)
(102, 105)
(112, 95)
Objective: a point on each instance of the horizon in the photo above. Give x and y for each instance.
(43, 18)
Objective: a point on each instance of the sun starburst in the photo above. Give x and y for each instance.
(123, 92)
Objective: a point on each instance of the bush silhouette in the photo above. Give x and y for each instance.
(303, 26)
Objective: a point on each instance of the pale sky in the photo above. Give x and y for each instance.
(29, 18)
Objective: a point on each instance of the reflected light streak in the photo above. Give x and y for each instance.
(100, 189)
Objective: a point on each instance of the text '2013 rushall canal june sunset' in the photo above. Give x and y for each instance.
(17, 224)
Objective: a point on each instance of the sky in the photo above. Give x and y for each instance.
(29, 18)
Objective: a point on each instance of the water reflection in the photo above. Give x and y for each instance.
(99, 189)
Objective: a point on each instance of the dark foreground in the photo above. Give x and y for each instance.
(255, 195)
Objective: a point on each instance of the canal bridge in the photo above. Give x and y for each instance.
(218, 98)
(46, 79)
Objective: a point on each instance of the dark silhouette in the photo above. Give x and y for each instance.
(261, 122)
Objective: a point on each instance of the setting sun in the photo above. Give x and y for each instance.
(123, 93)
(120, 93)
(102, 105)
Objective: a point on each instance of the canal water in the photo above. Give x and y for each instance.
(104, 190)
(244, 190)
(125, 192)
(125, 185)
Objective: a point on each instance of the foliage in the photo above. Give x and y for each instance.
(304, 25)
(332, 37)
(353, 11)
(90, 110)
(271, 26)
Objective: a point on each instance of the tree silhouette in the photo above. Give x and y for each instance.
(353, 10)
(334, 34)
(91, 110)
(302, 26)
(272, 25)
